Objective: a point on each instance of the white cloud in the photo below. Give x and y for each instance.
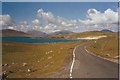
(48, 22)
(95, 20)
(6, 20)
(112, 16)
(24, 23)
(50, 28)
(49, 17)
(36, 22)
(10, 27)
(23, 26)
(46, 15)
(97, 17)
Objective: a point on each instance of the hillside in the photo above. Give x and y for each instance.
(84, 34)
(10, 32)
(106, 30)
(106, 47)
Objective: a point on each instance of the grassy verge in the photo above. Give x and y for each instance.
(106, 47)
(41, 59)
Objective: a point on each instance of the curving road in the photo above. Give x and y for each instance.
(90, 66)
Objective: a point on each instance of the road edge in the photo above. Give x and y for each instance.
(100, 56)
(73, 61)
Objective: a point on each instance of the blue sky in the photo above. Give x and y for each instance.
(27, 11)
(76, 16)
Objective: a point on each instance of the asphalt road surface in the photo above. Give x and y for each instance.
(90, 66)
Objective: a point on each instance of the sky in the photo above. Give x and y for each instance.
(54, 16)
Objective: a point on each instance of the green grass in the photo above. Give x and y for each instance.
(36, 58)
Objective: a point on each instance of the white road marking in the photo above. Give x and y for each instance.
(91, 52)
(71, 68)
(86, 50)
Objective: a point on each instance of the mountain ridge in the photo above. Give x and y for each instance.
(11, 32)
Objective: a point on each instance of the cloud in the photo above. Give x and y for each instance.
(50, 28)
(6, 21)
(95, 20)
(104, 20)
(48, 22)
(24, 23)
(23, 26)
(107, 17)
(49, 17)
(36, 22)
(112, 16)
(10, 27)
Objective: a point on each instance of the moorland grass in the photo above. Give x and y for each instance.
(106, 47)
(42, 59)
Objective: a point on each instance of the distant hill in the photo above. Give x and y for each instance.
(106, 30)
(10, 32)
(62, 32)
(37, 33)
(83, 34)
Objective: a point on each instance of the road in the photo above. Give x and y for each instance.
(90, 66)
